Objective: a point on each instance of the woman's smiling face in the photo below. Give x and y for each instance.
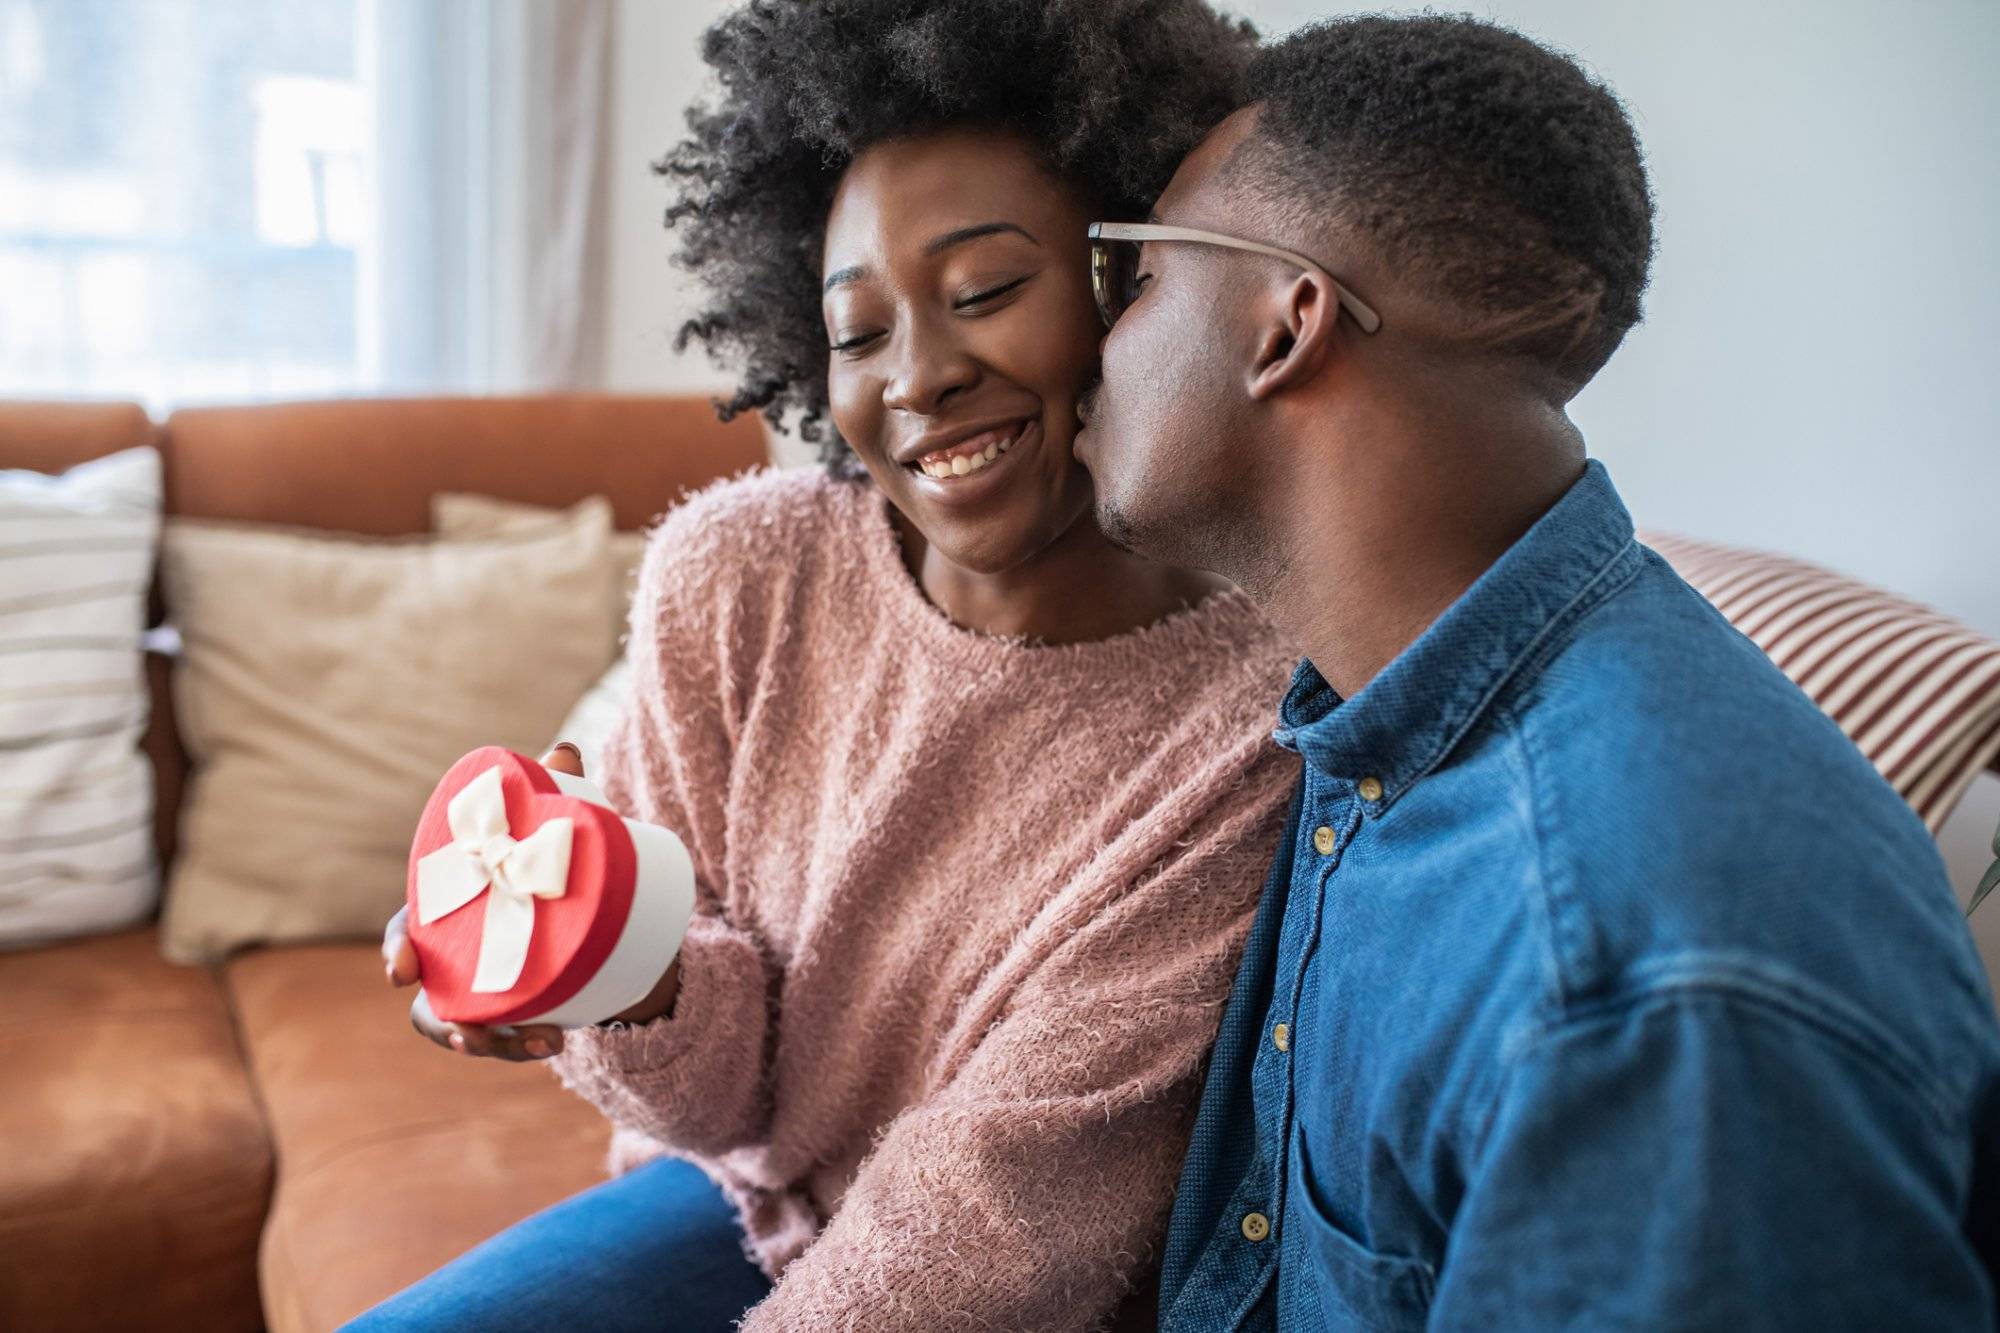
(961, 331)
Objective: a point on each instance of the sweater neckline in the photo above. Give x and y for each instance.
(1223, 619)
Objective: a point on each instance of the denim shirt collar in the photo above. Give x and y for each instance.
(1408, 718)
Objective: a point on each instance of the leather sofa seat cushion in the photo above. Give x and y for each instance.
(395, 1155)
(136, 1168)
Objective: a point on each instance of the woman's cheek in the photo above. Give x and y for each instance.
(847, 404)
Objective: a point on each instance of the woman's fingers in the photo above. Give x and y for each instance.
(426, 1022)
(497, 1043)
(399, 960)
(564, 758)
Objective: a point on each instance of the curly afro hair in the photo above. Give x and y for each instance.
(1488, 167)
(1113, 93)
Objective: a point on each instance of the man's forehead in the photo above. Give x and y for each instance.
(1196, 194)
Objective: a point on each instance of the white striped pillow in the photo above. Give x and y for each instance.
(76, 795)
(1917, 691)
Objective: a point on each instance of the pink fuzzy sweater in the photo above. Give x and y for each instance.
(969, 912)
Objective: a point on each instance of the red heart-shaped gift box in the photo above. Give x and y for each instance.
(573, 935)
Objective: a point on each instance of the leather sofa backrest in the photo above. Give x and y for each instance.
(371, 465)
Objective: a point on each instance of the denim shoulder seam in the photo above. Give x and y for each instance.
(1555, 897)
(1756, 983)
(1554, 988)
(1565, 946)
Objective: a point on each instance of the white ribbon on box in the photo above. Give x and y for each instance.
(484, 854)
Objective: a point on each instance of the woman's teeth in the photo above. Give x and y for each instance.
(959, 465)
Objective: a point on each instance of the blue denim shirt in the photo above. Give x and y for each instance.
(1601, 984)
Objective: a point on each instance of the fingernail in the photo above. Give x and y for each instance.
(538, 1046)
(565, 745)
(458, 1041)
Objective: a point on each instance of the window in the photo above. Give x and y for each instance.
(207, 200)
(184, 198)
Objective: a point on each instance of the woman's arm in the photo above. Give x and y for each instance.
(691, 1069)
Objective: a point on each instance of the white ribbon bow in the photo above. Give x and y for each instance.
(483, 853)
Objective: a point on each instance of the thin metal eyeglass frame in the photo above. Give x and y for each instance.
(1362, 313)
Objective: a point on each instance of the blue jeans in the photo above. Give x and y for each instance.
(658, 1247)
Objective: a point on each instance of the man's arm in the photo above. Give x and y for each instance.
(1711, 1159)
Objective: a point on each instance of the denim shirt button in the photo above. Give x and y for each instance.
(1256, 1226)
(1323, 840)
(1281, 1036)
(1370, 789)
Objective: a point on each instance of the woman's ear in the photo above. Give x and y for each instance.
(1296, 337)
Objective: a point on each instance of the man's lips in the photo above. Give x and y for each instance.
(1086, 402)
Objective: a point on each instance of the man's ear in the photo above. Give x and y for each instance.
(1296, 336)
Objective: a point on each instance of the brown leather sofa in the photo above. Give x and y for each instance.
(265, 1144)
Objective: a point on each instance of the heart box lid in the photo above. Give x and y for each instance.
(573, 933)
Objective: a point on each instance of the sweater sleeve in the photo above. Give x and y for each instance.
(1031, 1188)
(697, 1080)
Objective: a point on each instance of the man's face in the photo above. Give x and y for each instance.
(1165, 432)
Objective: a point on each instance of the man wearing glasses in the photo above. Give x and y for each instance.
(1600, 982)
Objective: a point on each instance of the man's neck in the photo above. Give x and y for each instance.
(1361, 565)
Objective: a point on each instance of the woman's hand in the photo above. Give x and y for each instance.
(535, 1042)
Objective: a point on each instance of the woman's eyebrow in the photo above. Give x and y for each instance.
(936, 245)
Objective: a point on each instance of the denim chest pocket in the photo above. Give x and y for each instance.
(1350, 1285)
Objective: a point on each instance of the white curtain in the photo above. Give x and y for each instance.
(492, 124)
(567, 93)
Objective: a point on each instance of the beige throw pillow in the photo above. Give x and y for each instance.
(328, 682)
(459, 516)
(588, 724)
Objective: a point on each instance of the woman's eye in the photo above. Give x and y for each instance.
(856, 343)
(991, 293)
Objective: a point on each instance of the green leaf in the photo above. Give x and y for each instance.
(1987, 882)
(1986, 886)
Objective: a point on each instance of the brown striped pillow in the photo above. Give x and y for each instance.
(1917, 691)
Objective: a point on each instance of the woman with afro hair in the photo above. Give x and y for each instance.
(979, 803)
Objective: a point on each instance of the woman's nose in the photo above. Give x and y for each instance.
(931, 370)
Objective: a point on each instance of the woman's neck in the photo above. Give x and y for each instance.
(1077, 589)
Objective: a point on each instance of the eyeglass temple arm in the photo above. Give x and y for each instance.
(1363, 314)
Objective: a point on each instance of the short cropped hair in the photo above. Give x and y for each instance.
(1482, 165)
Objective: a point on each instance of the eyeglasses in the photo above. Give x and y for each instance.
(1114, 265)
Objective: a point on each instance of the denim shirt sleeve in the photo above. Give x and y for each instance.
(1704, 1158)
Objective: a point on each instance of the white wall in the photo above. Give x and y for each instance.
(1819, 370)
(658, 70)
